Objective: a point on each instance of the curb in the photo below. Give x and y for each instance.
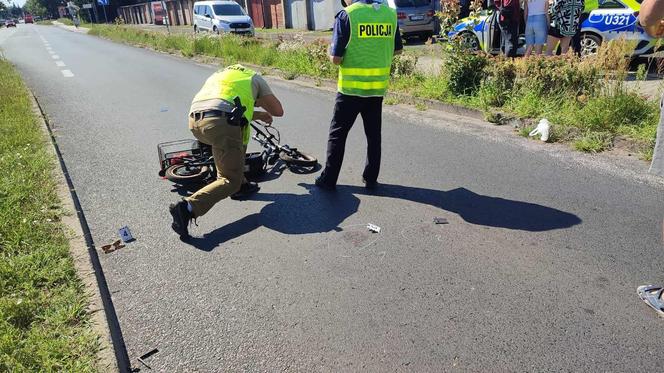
(657, 164)
(110, 358)
(80, 30)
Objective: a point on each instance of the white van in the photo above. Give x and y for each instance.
(222, 16)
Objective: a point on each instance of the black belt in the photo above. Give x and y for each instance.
(208, 114)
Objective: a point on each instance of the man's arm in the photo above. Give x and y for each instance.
(340, 37)
(266, 100)
(398, 42)
(271, 104)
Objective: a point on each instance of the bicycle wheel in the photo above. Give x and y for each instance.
(183, 174)
(297, 158)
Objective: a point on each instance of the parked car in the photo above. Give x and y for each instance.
(222, 16)
(614, 19)
(415, 17)
(28, 18)
(10, 23)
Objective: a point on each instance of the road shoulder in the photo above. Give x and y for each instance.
(78, 249)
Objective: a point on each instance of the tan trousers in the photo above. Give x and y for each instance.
(228, 152)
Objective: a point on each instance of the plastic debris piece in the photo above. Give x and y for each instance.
(145, 356)
(163, 109)
(440, 221)
(112, 247)
(543, 128)
(125, 234)
(652, 296)
(373, 227)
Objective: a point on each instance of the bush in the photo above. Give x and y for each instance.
(464, 71)
(403, 65)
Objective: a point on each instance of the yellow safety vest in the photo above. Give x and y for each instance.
(233, 81)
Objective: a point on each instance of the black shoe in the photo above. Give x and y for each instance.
(246, 190)
(181, 218)
(323, 185)
(371, 185)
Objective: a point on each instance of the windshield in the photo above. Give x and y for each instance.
(228, 10)
(412, 3)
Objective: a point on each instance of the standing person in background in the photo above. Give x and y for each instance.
(589, 6)
(464, 10)
(564, 24)
(509, 16)
(651, 18)
(536, 13)
(365, 38)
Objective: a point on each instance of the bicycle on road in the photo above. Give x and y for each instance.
(195, 163)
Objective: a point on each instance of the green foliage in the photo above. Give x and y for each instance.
(642, 72)
(293, 56)
(66, 21)
(593, 142)
(403, 65)
(44, 325)
(35, 7)
(464, 71)
(580, 97)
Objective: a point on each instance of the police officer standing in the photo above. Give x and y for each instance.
(366, 36)
(216, 119)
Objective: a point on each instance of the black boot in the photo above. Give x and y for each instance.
(181, 218)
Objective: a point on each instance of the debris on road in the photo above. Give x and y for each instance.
(373, 227)
(163, 109)
(112, 247)
(125, 234)
(543, 128)
(440, 221)
(145, 356)
(652, 296)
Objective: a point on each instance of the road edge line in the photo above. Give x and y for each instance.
(112, 356)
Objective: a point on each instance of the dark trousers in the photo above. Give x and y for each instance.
(346, 109)
(509, 35)
(576, 40)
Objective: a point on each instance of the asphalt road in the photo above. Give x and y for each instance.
(536, 270)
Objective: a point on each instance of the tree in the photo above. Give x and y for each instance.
(35, 7)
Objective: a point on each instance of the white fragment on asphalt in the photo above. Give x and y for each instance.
(373, 227)
(60, 64)
(164, 109)
(543, 129)
(55, 57)
(67, 73)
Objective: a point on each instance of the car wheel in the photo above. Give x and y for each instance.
(195, 29)
(589, 44)
(469, 41)
(215, 30)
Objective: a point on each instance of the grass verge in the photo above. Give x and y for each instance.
(44, 323)
(584, 99)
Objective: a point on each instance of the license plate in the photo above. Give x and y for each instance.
(416, 18)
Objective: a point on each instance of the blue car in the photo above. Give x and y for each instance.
(614, 19)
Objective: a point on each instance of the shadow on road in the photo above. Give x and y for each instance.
(320, 211)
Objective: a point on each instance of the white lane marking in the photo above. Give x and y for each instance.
(67, 73)
(60, 64)
(55, 57)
